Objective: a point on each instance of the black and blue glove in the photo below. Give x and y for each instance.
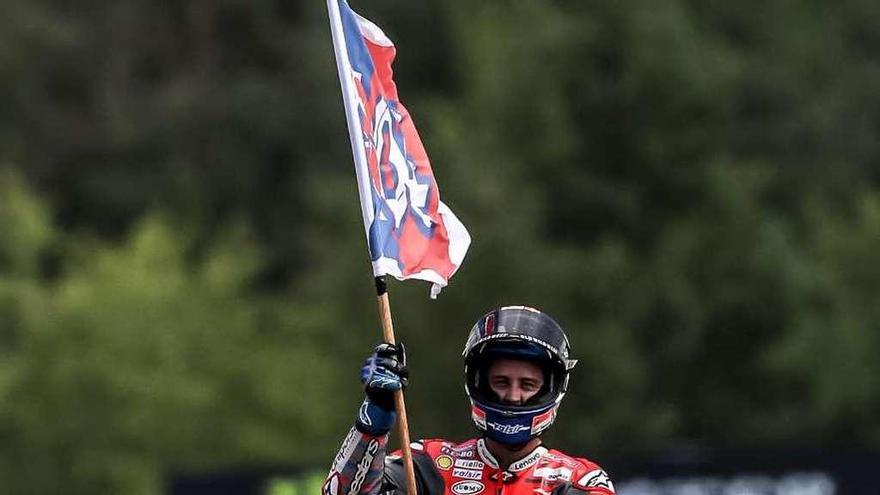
(383, 373)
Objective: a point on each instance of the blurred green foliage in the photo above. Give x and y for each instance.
(133, 360)
(303, 485)
(691, 188)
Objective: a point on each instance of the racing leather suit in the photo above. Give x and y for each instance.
(445, 468)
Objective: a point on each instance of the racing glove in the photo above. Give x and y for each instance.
(383, 373)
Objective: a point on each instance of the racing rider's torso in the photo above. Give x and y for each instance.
(446, 468)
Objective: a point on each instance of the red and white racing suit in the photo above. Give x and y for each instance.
(446, 468)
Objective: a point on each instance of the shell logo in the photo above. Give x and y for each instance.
(444, 462)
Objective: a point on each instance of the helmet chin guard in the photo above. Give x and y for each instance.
(512, 430)
(518, 333)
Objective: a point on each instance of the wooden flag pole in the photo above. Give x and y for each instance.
(352, 101)
(402, 424)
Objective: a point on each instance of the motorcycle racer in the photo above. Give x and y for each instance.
(517, 364)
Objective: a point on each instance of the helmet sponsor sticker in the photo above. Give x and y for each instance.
(542, 421)
(508, 429)
(470, 474)
(596, 479)
(443, 462)
(469, 464)
(467, 488)
(528, 460)
(489, 324)
(479, 417)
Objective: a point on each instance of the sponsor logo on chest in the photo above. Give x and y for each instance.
(464, 452)
(502, 476)
(443, 462)
(528, 460)
(467, 488)
(468, 474)
(469, 464)
(553, 474)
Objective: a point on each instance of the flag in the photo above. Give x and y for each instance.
(411, 234)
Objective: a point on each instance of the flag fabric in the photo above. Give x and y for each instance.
(410, 232)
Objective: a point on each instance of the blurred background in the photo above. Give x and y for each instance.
(692, 188)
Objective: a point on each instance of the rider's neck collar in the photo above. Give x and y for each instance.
(522, 464)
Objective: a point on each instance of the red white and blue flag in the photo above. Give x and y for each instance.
(410, 232)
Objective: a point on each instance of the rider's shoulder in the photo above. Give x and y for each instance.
(586, 474)
(570, 460)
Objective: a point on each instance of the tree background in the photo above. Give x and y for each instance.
(692, 188)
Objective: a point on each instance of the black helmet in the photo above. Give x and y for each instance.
(524, 333)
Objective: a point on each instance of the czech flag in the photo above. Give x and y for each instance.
(410, 232)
